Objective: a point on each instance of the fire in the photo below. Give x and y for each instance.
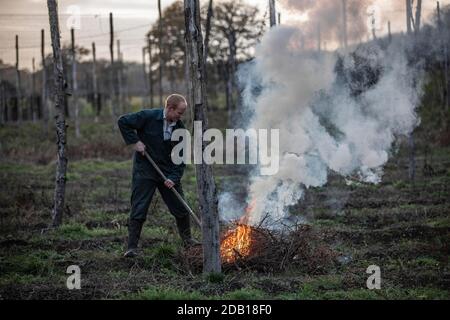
(236, 243)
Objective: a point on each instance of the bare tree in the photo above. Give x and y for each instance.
(198, 100)
(59, 83)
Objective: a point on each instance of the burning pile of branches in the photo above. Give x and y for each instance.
(259, 249)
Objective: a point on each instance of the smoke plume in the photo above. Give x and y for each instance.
(329, 15)
(335, 113)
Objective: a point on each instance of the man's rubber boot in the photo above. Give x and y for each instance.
(134, 232)
(184, 228)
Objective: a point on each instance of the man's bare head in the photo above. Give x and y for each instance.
(175, 107)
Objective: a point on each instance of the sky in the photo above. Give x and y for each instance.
(132, 18)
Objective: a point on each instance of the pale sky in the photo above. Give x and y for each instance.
(132, 19)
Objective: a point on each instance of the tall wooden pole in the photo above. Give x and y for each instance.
(119, 79)
(94, 83)
(112, 69)
(198, 100)
(273, 20)
(44, 105)
(408, 16)
(75, 84)
(18, 83)
(417, 22)
(59, 91)
(161, 59)
(33, 108)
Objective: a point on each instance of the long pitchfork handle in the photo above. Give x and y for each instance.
(173, 189)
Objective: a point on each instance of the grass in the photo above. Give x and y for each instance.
(397, 225)
(155, 293)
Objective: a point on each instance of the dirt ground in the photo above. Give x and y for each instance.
(399, 225)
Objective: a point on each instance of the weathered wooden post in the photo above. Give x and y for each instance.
(59, 91)
(198, 100)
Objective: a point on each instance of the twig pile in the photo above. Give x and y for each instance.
(300, 247)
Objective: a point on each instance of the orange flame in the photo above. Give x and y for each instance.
(236, 243)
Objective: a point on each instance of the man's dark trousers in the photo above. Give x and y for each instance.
(142, 193)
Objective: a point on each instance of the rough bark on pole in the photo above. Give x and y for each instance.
(94, 83)
(273, 20)
(161, 60)
(150, 71)
(198, 100)
(59, 91)
(45, 110)
(75, 84)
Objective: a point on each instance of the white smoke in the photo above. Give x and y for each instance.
(345, 122)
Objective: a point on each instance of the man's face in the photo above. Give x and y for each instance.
(174, 112)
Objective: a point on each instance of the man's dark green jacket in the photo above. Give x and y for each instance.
(147, 126)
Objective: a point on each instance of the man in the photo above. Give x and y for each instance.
(150, 130)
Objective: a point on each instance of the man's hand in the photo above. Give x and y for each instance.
(169, 183)
(139, 147)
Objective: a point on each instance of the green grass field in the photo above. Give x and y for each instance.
(401, 226)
